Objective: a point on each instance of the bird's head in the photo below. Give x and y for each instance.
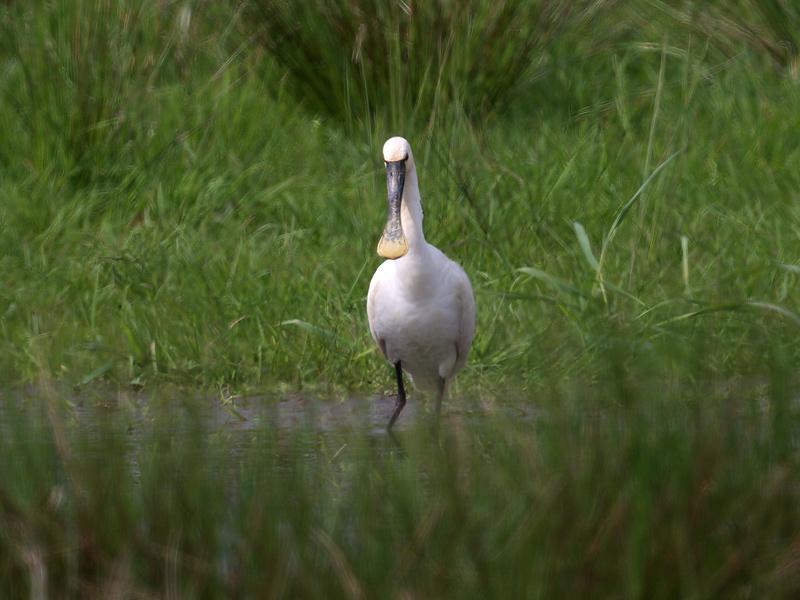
(399, 161)
(397, 149)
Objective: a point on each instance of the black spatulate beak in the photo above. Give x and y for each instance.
(393, 242)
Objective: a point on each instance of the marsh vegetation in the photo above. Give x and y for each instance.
(191, 197)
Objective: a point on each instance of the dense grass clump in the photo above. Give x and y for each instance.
(770, 26)
(406, 62)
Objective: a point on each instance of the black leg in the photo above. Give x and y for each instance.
(401, 395)
(440, 397)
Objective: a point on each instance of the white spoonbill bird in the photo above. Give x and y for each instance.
(420, 305)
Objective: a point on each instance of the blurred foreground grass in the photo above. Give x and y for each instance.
(682, 491)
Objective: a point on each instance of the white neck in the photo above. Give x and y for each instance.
(411, 214)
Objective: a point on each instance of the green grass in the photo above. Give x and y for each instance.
(172, 213)
(186, 210)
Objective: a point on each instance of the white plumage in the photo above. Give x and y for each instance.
(420, 306)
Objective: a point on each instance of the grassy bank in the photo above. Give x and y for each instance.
(176, 208)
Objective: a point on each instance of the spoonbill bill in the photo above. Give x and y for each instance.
(420, 305)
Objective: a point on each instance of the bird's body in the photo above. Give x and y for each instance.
(421, 313)
(420, 305)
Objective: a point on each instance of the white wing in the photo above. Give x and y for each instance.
(372, 311)
(466, 322)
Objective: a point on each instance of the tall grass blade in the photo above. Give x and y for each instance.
(554, 282)
(621, 214)
(308, 327)
(586, 246)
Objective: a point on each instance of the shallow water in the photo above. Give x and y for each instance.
(181, 428)
(315, 428)
(291, 412)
